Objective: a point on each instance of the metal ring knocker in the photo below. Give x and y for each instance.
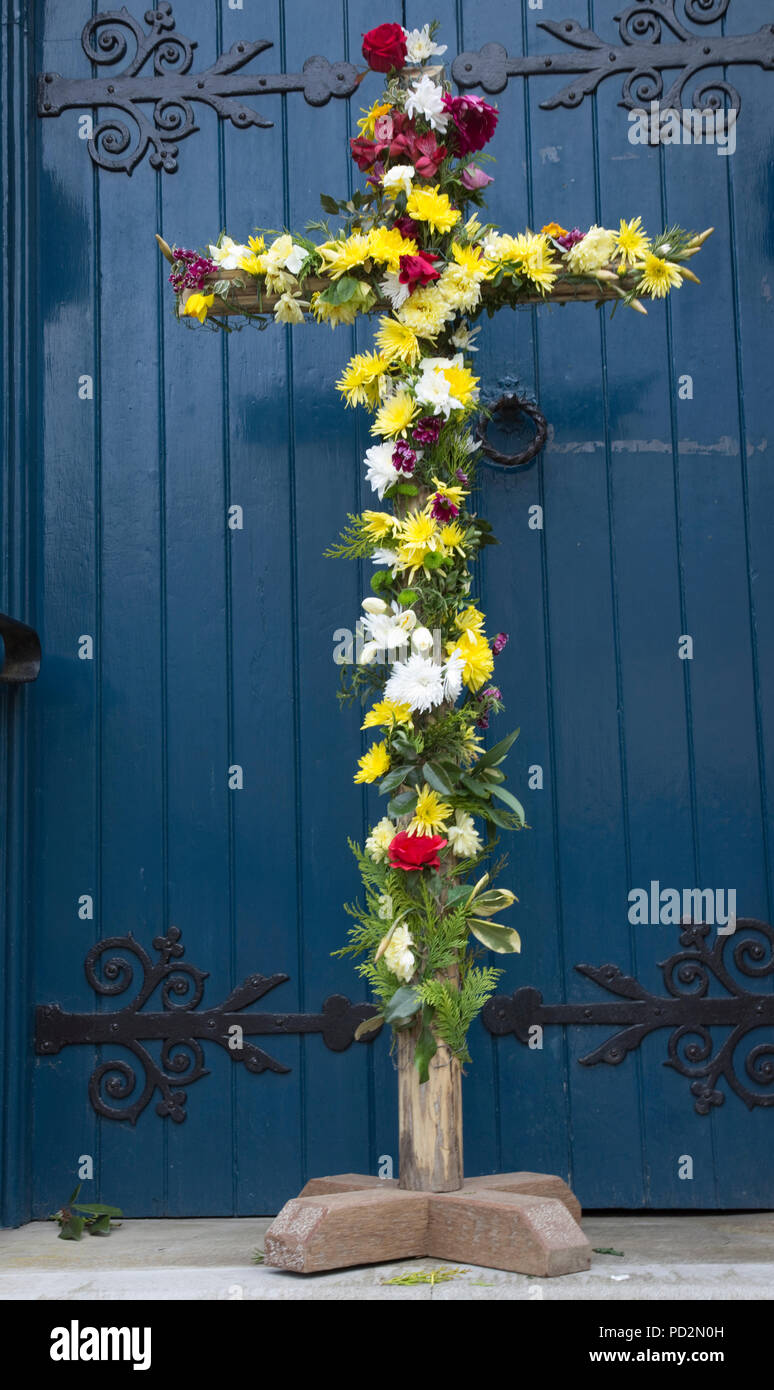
(513, 406)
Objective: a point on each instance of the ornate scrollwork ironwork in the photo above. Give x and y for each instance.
(642, 56)
(690, 1008)
(180, 1028)
(158, 74)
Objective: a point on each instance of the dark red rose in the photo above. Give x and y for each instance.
(385, 47)
(364, 152)
(418, 270)
(410, 852)
(474, 122)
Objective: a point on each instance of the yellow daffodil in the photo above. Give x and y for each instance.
(360, 382)
(373, 764)
(431, 813)
(632, 242)
(433, 207)
(196, 306)
(477, 655)
(398, 342)
(395, 415)
(386, 245)
(340, 256)
(658, 276)
(369, 118)
(386, 713)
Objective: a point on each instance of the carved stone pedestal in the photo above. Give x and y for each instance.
(524, 1222)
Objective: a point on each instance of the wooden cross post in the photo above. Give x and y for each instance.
(527, 1222)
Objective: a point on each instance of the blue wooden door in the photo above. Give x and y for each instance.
(186, 761)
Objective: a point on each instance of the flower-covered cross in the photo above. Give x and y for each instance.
(416, 250)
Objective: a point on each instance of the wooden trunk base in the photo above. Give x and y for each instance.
(523, 1222)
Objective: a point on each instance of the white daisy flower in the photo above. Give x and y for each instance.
(417, 682)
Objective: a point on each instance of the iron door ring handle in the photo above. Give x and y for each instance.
(514, 405)
(22, 654)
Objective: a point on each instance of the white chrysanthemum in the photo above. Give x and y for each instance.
(463, 837)
(420, 46)
(417, 682)
(380, 839)
(398, 957)
(433, 389)
(380, 469)
(228, 254)
(425, 98)
(393, 290)
(593, 252)
(382, 555)
(398, 179)
(452, 675)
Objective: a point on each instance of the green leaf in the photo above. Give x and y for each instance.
(503, 940)
(75, 1194)
(502, 818)
(435, 779)
(402, 805)
(72, 1229)
(426, 1047)
(403, 1007)
(492, 776)
(328, 203)
(510, 801)
(369, 1025)
(495, 755)
(474, 786)
(97, 1209)
(344, 289)
(407, 489)
(100, 1227)
(394, 778)
(494, 900)
(457, 892)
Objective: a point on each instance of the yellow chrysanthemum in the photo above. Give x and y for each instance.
(385, 713)
(340, 256)
(477, 654)
(470, 259)
(377, 525)
(431, 813)
(461, 292)
(632, 242)
(452, 537)
(387, 245)
(395, 415)
(426, 311)
(472, 747)
(433, 207)
(373, 764)
(470, 620)
(361, 380)
(658, 276)
(398, 342)
(196, 306)
(369, 118)
(453, 491)
(418, 537)
(462, 384)
(253, 264)
(532, 253)
(256, 244)
(593, 252)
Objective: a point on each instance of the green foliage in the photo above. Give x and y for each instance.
(354, 543)
(77, 1217)
(455, 1008)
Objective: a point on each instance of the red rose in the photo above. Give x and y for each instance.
(385, 47)
(474, 122)
(410, 852)
(418, 270)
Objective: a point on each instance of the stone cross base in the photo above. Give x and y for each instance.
(524, 1222)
